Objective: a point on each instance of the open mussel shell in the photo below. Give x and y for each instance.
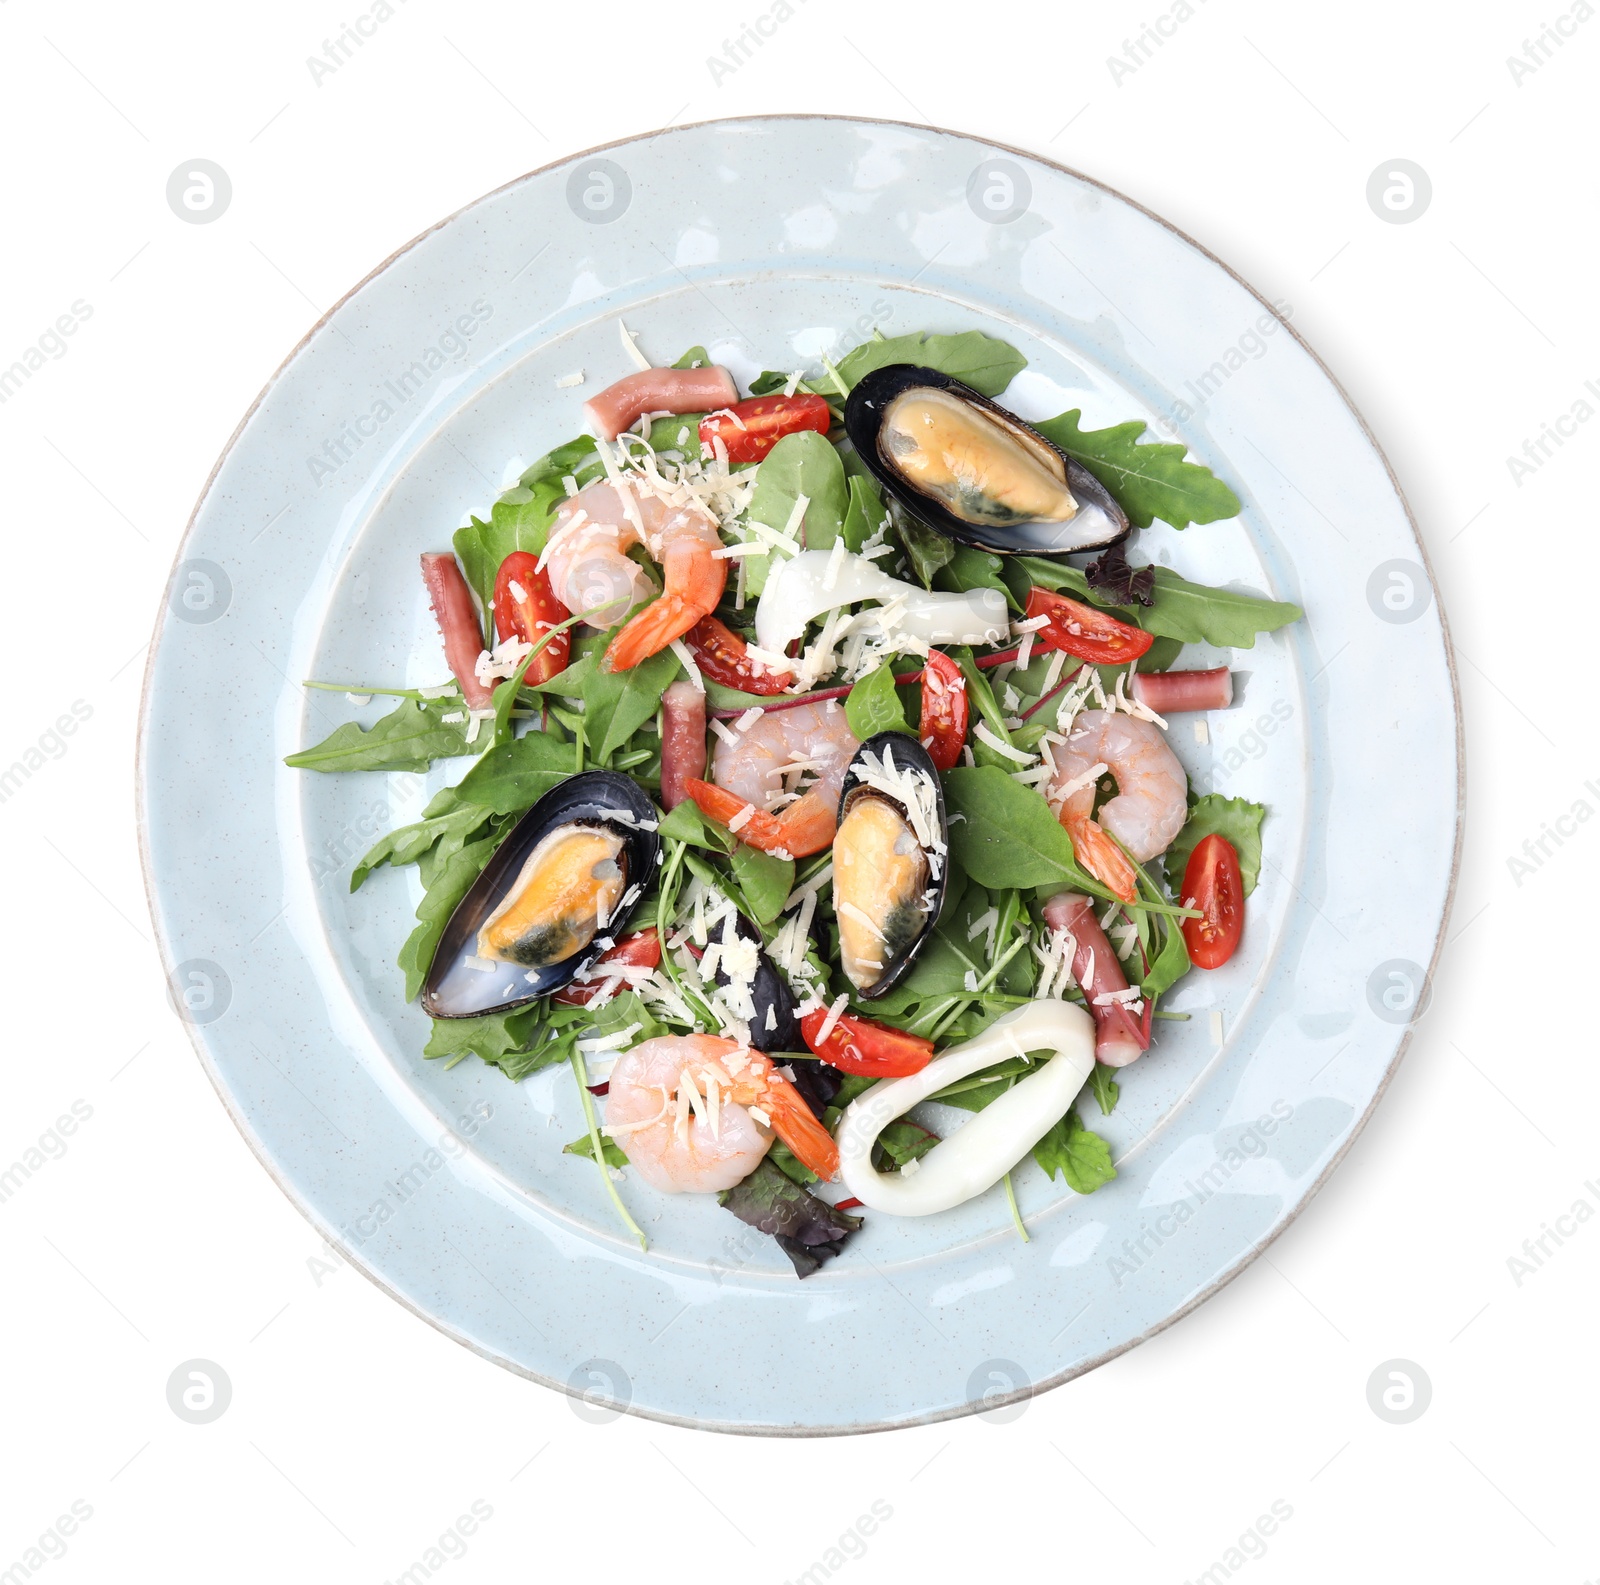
(769, 995)
(888, 881)
(587, 850)
(977, 473)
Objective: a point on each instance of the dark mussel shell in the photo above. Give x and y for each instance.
(1098, 522)
(908, 754)
(456, 989)
(768, 990)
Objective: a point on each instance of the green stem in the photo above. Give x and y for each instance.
(581, 1073)
(1016, 1215)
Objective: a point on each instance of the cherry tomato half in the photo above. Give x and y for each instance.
(525, 607)
(858, 1045)
(721, 655)
(1212, 883)
(1084, 631)
(944, 709)
(752, 428)
(641, 950)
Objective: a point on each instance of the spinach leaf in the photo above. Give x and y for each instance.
(902, 1142)
(617, 703)
(1008, 836)
(410, 737)
(765, 881)
(516, 775)
(873, 705)
(808, 1231)
(1235, 818)
(1170, 964)
(985, 363)
(970, 568)
(1150, 480)
(1078, 1155)
(694, 358)
(680, 432)
(926, 548)
(687, 824)
(492, 1037)
(803, 464)
(865, 514)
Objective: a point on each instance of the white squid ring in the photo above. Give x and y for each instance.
(979, 1154)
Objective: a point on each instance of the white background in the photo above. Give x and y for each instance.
(356, 1434)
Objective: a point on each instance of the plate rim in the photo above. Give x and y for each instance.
(351, 1255)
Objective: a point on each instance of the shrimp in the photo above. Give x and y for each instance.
(808, 740)
(1151, 803)
(586, 558)
(696, 1114)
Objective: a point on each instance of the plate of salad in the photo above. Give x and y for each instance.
(743, 766)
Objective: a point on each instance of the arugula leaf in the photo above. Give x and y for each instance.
(516, 775)
(609, 1148)
(491, 1037)
(1188, 612)
(1170, 964)
(687, 824)
(1078, 1155)
(445, 890)
(985, 363)
(695, 357)
(765, 881)
(407, 844)
(801, 464)
(865, 514)
(926, 548)
(1008, 837)
(1103, 1085)
(1150, 480)
(1237, 819)
(873, 705)
(410, 737)
(615, 703)
(808, 1231)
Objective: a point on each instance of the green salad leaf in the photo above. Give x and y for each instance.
(926, 548)
(445, 820)
(1076, 1154)
(1237, 819)
(1105, 1089)
(516, 775)
(687, 824)
(1006, 835)
(410, 737)
(985, 363)
(445, 890)
(873, 706)
(764, 880)
(609, 1148)
(1191, 613)
(802, 464)
(1149, 479)
(866, 513)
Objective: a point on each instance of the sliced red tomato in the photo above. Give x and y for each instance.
(858, 1045)
(722, 656)
(525, 607)
(641, 950)
(751, 429)
(1084, 631)
(1212, 883)
(944, 709)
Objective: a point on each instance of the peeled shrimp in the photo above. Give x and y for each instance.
(585, 556)
(1149, 809)
(808, 741)
(695, 1114)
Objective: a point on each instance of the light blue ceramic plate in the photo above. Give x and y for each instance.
(773, 242)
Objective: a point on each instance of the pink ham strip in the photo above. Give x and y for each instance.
(458, 622)
(683, 741)
(621, 406)
(1119, 1036)
(1172, 692)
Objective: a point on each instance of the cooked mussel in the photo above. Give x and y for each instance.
(889, 861)
(558, 891)
(975, 472)
(754, 989)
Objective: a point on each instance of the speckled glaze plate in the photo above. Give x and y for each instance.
(773, 242)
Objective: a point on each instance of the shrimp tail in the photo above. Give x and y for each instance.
(694, 581)
(808, 825)
(797, 1126)
(1099, 854)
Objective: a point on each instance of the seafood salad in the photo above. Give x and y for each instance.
(819, 782)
